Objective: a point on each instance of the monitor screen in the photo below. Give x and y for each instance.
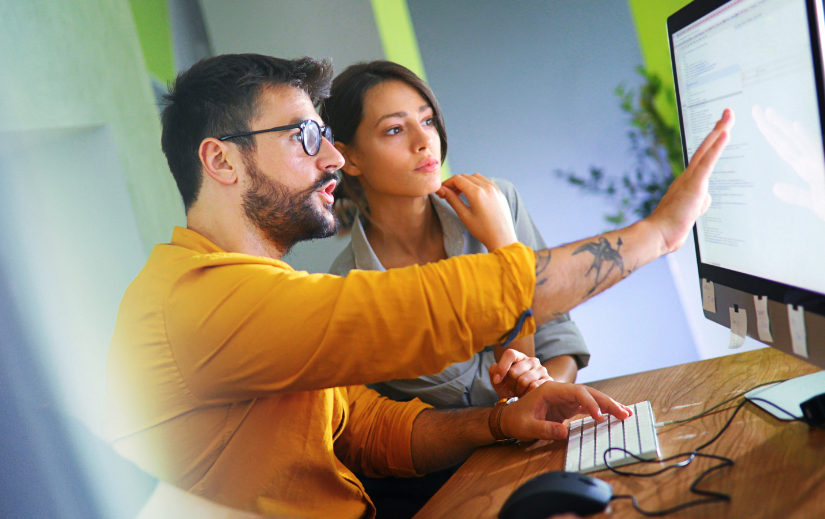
(767, 218)
(761, 244)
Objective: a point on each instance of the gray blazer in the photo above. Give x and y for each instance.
(466, 384)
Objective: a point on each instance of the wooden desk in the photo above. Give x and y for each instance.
(779, 466)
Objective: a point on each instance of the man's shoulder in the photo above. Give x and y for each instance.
(344, 262)
(170, 266)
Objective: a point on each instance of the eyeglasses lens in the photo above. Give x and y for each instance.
(311, 135)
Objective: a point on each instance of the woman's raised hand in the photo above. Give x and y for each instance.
(488, 216)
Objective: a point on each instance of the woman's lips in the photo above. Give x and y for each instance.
(427, 165)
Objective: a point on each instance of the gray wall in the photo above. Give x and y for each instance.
(527, 88)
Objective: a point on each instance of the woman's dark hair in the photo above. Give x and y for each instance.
(344, 109)
(218, 96)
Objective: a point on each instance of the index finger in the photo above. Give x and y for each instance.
(450, 183)
(499, 370)
(460, 183)
(600, 404)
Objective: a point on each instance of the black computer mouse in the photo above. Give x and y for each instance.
(556, 493)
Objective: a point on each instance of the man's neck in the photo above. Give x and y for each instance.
(231, 234)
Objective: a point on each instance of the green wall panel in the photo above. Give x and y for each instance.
(78, 63)
(154, 32)
(650, 18)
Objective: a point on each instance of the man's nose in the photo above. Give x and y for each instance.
(330, 159)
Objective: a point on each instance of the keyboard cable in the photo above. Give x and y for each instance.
(709, 495)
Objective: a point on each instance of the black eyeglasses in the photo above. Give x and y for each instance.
(311, 133)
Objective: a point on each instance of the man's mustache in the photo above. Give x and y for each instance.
(326, 177)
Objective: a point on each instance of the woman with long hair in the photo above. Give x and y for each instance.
(390, 130)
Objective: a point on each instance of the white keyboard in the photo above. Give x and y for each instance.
(588, 440)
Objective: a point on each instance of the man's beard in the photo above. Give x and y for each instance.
(284, 217)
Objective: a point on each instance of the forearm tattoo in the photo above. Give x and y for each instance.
(542, 262)
(602, 253)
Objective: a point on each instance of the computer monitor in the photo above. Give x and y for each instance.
(761, 245)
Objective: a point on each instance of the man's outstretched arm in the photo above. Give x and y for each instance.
(568, 275)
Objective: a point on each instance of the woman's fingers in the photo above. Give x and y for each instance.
(499, 370)
(517, 373)
(486, 214)
(532, 378)
(463, 182)
(480, 180)
(452, 197)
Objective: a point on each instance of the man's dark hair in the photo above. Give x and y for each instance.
(219, 96)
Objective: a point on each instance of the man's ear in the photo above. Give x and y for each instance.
(350, 167)
(219, 160)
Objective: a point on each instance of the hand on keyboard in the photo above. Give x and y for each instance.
(516, 374)
(591, 446)
(540, 413)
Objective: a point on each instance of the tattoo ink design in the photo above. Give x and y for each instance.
(542, 262)
(602, 252)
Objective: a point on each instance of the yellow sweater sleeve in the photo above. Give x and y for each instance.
(241, 328)
(377, 437)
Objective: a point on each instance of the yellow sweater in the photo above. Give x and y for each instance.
(241, 380)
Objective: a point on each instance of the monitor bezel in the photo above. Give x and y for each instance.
(812, 301)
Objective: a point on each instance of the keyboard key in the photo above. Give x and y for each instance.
(616, 440)
(588, 448)
(574, 443)
(602, 444)
(647, 433)
(631, 434)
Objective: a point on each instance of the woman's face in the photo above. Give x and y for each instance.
(396, 150)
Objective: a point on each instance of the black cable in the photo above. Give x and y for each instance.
(711, 496)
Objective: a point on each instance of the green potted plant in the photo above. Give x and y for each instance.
(656, 145)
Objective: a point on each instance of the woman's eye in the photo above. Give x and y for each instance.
(429, 121)
(395, 130)
(296, 136)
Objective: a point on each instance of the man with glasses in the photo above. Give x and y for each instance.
(233, 376)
